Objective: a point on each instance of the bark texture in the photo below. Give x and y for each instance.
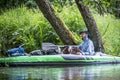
(91, 26)
(59, 26)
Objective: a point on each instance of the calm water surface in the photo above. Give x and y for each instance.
(94, 72)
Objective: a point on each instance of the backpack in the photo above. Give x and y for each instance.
(16, 51)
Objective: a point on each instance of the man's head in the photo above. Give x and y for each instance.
(84, 34)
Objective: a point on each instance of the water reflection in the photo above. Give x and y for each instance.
(96, 72)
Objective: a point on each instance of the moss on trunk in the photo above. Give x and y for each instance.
(59, 26)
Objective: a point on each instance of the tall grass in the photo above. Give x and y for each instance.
(21, 26)
(109, 27)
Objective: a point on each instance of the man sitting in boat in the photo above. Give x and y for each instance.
(85, 48)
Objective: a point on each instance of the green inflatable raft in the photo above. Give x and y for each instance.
(58, 60)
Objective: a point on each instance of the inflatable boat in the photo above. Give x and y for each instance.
(58, 60)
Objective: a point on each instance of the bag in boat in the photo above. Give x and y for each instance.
(44, 52)
(16, 51)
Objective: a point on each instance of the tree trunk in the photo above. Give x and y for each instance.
(59, 26)
(91, 26)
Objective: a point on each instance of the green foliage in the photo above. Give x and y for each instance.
(110, 32)
(114, 8)
(22, 26)
(72, 18)
(10, 3)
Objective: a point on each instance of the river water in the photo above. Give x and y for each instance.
(91, 72)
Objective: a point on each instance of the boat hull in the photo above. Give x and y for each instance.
(58, 60)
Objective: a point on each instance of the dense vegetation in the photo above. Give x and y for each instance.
(102, 6)
(28, 27)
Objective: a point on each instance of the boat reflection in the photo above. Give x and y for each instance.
(93, 72)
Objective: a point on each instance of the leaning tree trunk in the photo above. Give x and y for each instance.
(59, 26)
(91, 26)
